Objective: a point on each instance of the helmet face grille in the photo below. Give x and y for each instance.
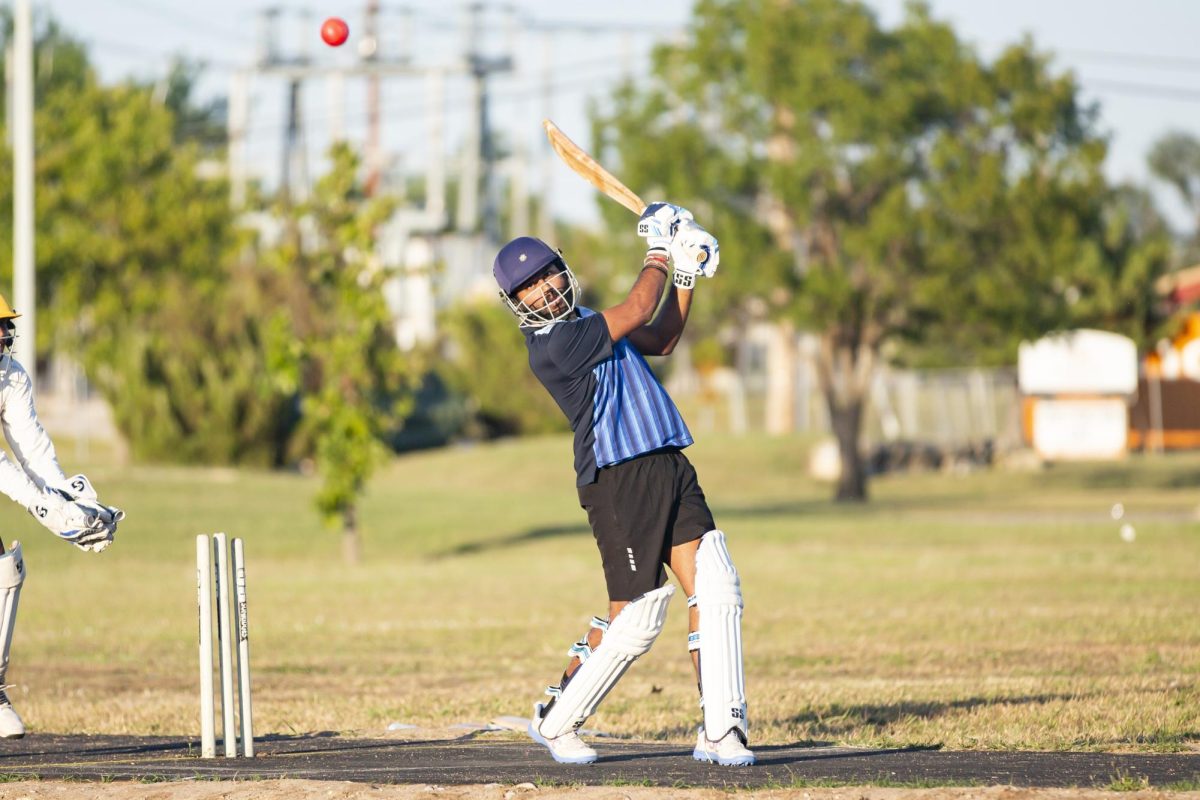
(554, 299)
(8, 335)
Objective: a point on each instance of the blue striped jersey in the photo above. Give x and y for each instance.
(616, 405)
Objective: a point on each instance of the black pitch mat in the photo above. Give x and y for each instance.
(501, 759)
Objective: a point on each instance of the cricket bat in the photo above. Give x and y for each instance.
(591, 171)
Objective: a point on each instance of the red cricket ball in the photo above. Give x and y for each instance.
(334, 31)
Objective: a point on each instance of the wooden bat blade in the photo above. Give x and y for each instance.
(590, 170)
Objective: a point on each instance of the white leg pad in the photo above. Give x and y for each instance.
(629, 637)
(12, 575)
(719, 599)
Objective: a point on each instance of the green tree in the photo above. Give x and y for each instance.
(886, 189)
(1116, 290)
(136, 277)
(338, 353)
(1175, 158)
(209, 346)
(204, 123)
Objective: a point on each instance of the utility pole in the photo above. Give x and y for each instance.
(545, 223)
(369, 50)
(476, 178)
(467, 218)
(336, 95)
(435, 172)
(294, 184)
(24, 280)
(239, 112)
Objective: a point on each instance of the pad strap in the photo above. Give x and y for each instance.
(581, 649)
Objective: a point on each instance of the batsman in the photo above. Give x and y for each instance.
(640, 492)
(67, 506)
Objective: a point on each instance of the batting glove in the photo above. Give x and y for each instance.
(695, 252)
(658, 225)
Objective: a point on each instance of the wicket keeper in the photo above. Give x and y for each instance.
(642, 498)
(67, 506)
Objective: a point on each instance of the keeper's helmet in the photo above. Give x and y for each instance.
(8, 328)
(525, 261)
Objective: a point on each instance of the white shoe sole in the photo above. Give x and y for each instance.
(738, 761)
(537, 737)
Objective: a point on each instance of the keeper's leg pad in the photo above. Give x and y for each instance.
(628, 637)
(719, 599)
(12, 575)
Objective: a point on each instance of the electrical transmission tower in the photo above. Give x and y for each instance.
(421, 233)
(438, 253)
(296, 66)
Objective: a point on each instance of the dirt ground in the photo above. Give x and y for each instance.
(323, 790)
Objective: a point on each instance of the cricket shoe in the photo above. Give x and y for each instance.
(11, 726)
(730, 751)
(566, 749)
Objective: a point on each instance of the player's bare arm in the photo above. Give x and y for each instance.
(636, 311)
(660, 336)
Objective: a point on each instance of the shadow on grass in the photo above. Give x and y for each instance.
(1136, 474)
(787, 509)
(514, 540)
(838, 719)
(874, 507)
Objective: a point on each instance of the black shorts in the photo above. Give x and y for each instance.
(638, 511)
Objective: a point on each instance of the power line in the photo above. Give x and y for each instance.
(531, 23)
(1180, 93)
(583, 76)
(191, 23)
(126, 49)
(1143, 59)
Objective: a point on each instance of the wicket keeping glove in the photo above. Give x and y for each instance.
(695, 252)
(99, 534)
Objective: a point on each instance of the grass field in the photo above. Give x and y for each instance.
(992, 610)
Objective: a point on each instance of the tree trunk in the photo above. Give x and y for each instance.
(847, 426)
(781, 380)
(351, 541)
(844, 370)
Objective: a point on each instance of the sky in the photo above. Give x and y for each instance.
(1134, 58)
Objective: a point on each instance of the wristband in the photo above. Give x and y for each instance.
(654, 265)
(656, 257)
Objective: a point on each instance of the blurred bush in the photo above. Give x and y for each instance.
(485, 360)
